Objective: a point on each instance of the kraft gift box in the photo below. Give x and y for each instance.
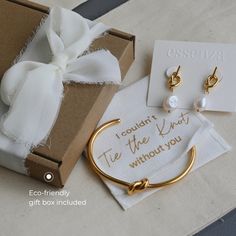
(82, 106)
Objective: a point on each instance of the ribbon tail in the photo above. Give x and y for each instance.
(95, 68)
(34, 107)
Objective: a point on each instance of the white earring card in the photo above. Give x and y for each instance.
(197, 62)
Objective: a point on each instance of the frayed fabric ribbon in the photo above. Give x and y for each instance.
(34, 91)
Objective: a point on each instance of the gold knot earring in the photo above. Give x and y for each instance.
(212, 80)
(170, 103)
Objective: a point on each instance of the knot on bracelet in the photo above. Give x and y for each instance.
(138, 186)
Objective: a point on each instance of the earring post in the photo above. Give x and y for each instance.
(214, 73)
(177, 72)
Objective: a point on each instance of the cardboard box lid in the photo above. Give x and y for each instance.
(78, 102)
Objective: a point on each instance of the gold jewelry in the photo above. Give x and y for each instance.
(170, 103)
(139, 185)
(174, 79)
(201, 102)
(211, 81)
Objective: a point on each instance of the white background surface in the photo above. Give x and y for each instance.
(179, 210)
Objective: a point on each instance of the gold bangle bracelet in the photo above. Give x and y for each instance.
(139, 185)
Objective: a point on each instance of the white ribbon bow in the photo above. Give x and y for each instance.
(33, 91)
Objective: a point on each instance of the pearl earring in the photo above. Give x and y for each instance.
(201, 102)
(170, 103)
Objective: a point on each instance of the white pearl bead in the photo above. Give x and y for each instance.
(200, 103)
(170, 103)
